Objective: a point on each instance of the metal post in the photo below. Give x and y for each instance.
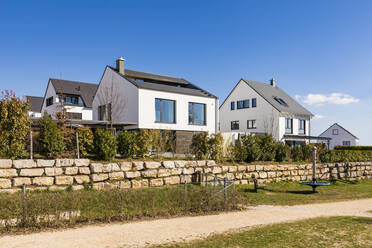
(24, 204)
(185, 197)
(31, 146)
(206, 180)
(314, 163)
(215, 181)
(224, 189)
(77, 145)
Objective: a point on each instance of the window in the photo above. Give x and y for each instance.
(232, 105)
(302, 126)
(335, 131)
(288, 125)
(165, 111)
(235, 125)
(197, 113)
(254, 102)
(49, 101)
(74, 116)
(281, 101)
(251, 124)
(346, 143)
(70, 99)
(102, 113)
(243, 104)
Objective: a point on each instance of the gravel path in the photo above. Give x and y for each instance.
(140, 234)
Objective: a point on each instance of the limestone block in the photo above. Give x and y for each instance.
(216, 170)
(8, 172)
(271, 174)
(124, 184)
(279, 173)
(230, 176)
(163, 173)
(188, 171)
(286, 173)
(19, 181)
(43, 181)
(57, 188)
(244, 181)
(111, 167)
(225, 168)
(176, 171)
(180, 163)
(24, 163)
(45, 162)
(64, 162)
(82, 179)
(132, 174)
(233, 168)
(156, 182)
(169, 164)
(259, 167)
(262, 175)
(64, 180)
(172, 180)
(185, 178)
(191, 164)
(138, 165)
(136, 184)
(125, 166)
(77, 187)
(149, 173)
(81, 162)
(242, 168)
(267, 167)
(251, 168)
(294, 173)
(201, 163)
(301, 172)
(211, 163)
(207, 170)
(5, 163)
(99, 177)
(238, 176)
(201, 169)
(71, 170)
(31, 172)
(152, 165)
(53, 171)
(96, 167)
(117, 175)
(84, 170)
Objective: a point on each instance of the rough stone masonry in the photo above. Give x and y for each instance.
(60, 174)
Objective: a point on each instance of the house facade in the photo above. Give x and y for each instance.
(260, 108)
(149, 101)
(339, 136)
(35, 106)
(75, 97)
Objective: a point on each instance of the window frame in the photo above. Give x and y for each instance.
(174, 111)
(289, 130)
(300, 129)
(346, 143)
(232, 123)
(253, 126)
(242, 102)
(205, 113)
(49, 101)
(335, 133)
(232, 105)
(254, 102)
(70, 115)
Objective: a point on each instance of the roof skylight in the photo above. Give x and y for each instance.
(281, 101)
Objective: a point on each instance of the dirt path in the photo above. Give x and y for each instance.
(140, 234)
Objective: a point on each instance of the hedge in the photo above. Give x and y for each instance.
(334, 156)
(356, 148)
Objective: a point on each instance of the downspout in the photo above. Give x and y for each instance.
(216, 102)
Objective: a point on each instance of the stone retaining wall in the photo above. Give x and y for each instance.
(76, 173)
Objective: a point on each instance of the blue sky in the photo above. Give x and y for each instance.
(319, 51)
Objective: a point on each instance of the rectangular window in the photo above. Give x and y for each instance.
(251, 124)
(197, 113)
(239, 104)
(165, 111)
(235, 125)
(70, 99)
(74, 116)
(254, 102)
(346, 143)
(246, 104)
(102, 113)
(302, 126)
(335, 131)
(49, 101)
(288, 125)
(243, 104)
(232, 105)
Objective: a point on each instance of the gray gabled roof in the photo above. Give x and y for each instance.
(85, 90)
(36, 102)
(336, 124)
(269, 93)
(144, 80)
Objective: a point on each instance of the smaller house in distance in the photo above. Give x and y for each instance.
(339, 136)
(75, 97)
(35, 106)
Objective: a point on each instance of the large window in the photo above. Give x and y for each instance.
(251, 124)
(289, 125)
(302, 126)
(70, 99)
(197, 113)
(254, 102)
(49, 101)
(243, 104)
(235, 125)
(165, 111)
(74, 116)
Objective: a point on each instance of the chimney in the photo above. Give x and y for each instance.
(272, 82)
(120, 65)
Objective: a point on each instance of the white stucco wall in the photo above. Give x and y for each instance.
(337, 140)
(147, 111)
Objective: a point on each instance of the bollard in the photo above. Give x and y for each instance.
(24, 204)
(31, 146)
(77, 145)
(206, 180)
(314, 163)
(224, 189)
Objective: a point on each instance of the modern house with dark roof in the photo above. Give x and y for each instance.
(339, 136)
(150, 101)
(35, 106)
(75, 97)
(261, 108)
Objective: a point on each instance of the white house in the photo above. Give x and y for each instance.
(261, 108)
(77, 98)
(150, 101)
(35, 106)
(339, 136)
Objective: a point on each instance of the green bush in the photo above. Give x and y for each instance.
(51, 137)
(127, 143)
(281, 152)
(86, 140)
(199, 145)
(215, 147)
(296, 153)
(239, 151)
(335, 156)
(14, 125)
(105, 144)
(267, 144)
(357, 148)
(307, 152)
(252, 148)
(143, 143)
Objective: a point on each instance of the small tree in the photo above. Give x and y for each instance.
(281, 152)
(105, 144)
(86, 140)
(143, 142)
(51, 137)
(239, 151)
(267, 146)
(215, 147)
(199, 145)
(14, 125)
(252, 147)
(127, 146)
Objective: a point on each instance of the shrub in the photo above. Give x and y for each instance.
(127, 143)
(86, 140)
(357, 148)
(296, 153)
(281, 152)
(252, 148)
(199, 145)
(14, 125)
(336, 156)
(307, 152)
(105, 144)
(239, 151)
(215, 147)
(51, 137)
(143, 142)
(267, 144)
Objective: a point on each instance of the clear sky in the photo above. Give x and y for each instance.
(318, 51)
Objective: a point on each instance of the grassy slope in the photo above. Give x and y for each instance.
(320, 232)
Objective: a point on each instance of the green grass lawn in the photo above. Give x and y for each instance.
(320, 232)
(292, 193)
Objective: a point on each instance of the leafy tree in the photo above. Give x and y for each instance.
(199, 145)
(267, 145)
(143, 142)
(252, 147)
(281, 152)
(51, 137)
(239, 151)
(127, 146)
(215, 147)
(86, 140)
(14, 125)
(105, 144)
